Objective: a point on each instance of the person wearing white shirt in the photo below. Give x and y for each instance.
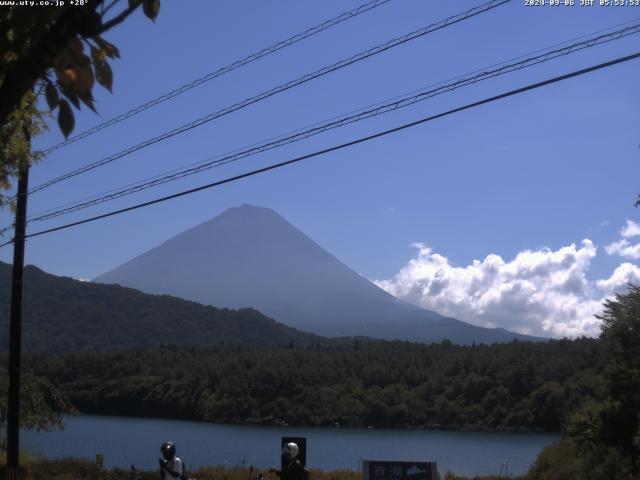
(171, 467)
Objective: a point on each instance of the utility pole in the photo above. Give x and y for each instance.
(15, 328)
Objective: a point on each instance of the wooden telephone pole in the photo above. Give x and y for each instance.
(15, 328)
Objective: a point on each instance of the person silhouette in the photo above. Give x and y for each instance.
(171, 467)
(293, 468)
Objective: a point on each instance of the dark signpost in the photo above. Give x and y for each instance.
(391, 470)
(302, 445)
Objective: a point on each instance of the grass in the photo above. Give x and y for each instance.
(35, 468)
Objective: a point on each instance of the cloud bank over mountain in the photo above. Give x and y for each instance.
(539, 292)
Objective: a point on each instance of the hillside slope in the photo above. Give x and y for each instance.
(61, 314)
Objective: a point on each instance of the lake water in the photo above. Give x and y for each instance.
(127, 441)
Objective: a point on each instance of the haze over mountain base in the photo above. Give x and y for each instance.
(251, 257)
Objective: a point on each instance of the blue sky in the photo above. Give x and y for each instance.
(538, 172)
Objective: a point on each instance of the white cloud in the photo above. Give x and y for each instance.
(623, 247)
(623, 275)
(539, 292)
(631, 229)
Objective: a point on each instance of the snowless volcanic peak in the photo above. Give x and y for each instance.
(250, 256)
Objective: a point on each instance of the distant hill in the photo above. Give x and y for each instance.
(252, 257)
(61, 314)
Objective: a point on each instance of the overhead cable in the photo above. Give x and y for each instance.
(472, 12)
(341, 146)
(221, 71)
(347, 119)
(611, 31)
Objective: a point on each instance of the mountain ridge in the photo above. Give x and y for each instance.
(251, 256)
(61, 314)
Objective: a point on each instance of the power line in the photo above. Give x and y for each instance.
(590, 40)
(359, 110)
(293, 83)
(136, 183)
(222, 71)
(344, 145)
(346, 119)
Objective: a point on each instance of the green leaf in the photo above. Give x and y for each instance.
(151, 8)
(51, 94)
(71, 95)
(98, 55)
(104, 75)
(87, 98)
(76, 48)
(108, 48)
(65, 118)
(84, 75)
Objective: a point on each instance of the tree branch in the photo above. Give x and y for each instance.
(109, 7)
(117, 19)
(72, 22)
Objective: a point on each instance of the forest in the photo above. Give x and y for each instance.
(588, 389)
(515, 386)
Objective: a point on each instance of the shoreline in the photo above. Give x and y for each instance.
(278, 424)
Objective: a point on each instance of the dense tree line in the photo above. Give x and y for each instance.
(601, 438)
(515, 386)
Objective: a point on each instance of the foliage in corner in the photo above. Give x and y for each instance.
(42, 405)
(601, 440)
(59, 54)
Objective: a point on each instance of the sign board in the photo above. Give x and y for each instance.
(302, 445)
(391, 470)
(99, 460)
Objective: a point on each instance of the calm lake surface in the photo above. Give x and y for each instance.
(127, 441)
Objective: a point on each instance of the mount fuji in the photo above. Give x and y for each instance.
(250, 256)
